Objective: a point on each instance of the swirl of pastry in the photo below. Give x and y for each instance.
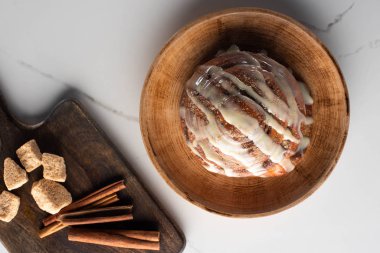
(244, 114)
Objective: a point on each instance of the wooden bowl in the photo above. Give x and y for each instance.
(286, 41)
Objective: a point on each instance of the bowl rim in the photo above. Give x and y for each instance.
(176, 36)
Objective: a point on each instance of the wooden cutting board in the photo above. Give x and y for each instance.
(92, 162)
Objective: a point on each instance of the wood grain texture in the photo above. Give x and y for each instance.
(92, 162)
(286, 41)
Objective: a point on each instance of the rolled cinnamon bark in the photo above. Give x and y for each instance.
(95, 220)
(153, 236)
(115, 240)
(57, 225)
(104, 201)
(51, 229)
(99, 215)
(90, 199)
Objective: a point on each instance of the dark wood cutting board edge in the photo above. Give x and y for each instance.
(90, 155)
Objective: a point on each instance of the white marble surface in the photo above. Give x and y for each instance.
(100, 51)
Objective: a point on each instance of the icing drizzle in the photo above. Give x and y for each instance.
(218, 94)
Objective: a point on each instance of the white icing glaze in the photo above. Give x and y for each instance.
(213, 133)
(232, 49)
(218, 139)
(304, 143)
(308, 121)
(212, 168)
(305, 93)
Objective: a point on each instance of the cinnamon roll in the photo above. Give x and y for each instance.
(244, 114)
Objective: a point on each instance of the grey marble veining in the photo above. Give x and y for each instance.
(100, 52)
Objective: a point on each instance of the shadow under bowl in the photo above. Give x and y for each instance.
(288, 42)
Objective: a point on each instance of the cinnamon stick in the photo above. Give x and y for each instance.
(90, 199)
(103, 238)
(95, 220)
(96, 210)
(97, 195)
(109, 201)
(105, 200)
(57, 226)
(153, 236)
(51, 229)
(72, 217)
(102, 189)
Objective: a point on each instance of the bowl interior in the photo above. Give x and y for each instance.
(290, 44)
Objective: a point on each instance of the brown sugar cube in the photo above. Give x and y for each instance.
(9, 205)
(50, 196)
(14, 175)
(54, 167)
(29, 155)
